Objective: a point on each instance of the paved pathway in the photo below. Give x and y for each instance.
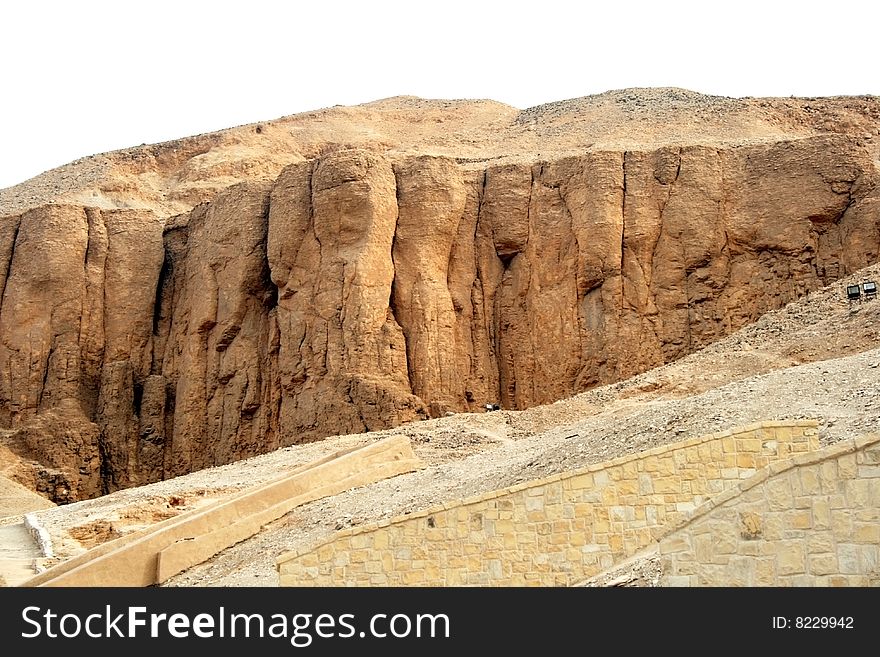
(18, 555)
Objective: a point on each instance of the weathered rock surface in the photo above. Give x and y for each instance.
(361, 290)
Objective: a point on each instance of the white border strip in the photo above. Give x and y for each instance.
(41, 536)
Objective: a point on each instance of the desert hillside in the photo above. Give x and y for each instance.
(173, 307)
(816, 358)
(172, 177)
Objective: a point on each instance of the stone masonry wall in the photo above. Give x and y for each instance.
(553, 531)
(812, 521)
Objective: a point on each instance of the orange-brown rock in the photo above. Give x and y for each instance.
(360, 290)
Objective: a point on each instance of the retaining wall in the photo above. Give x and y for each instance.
(812, 521)
(552, 531)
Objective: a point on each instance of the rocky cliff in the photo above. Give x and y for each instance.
(365, 287)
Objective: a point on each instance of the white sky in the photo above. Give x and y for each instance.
(79, 77)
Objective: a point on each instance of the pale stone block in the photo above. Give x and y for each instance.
(748, 445)
(841, 523)
(725, 542)
(609, 495)
(553, 511)
(381, 539)
(703, 547)
(561, 527)
(828, 478)
(784, 434)
(869, 471)
(628, 487)
(764, 572)
(778, 492)
(849, 559)
(750, 548)
(858, 492)
(821, 514)
(601, 526)
(740, 571)
(361, 541)
(864, 532)
(823, 564)
(846, 466)
(820, 542)
(837, 501)
(667, 466)
(667, 485)
(803, 502)
(311, 558)
(615, 543)
(874, 487)
(799, 519)
(869, 559)
(809, 476)
(790, 558)
(802, 580)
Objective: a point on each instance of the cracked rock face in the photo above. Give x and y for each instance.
(356, 292)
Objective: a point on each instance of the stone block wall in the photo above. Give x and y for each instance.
(553, 531)
(812, 521)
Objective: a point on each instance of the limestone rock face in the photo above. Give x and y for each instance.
(359, 291)
(75, 332)
(342, 354)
